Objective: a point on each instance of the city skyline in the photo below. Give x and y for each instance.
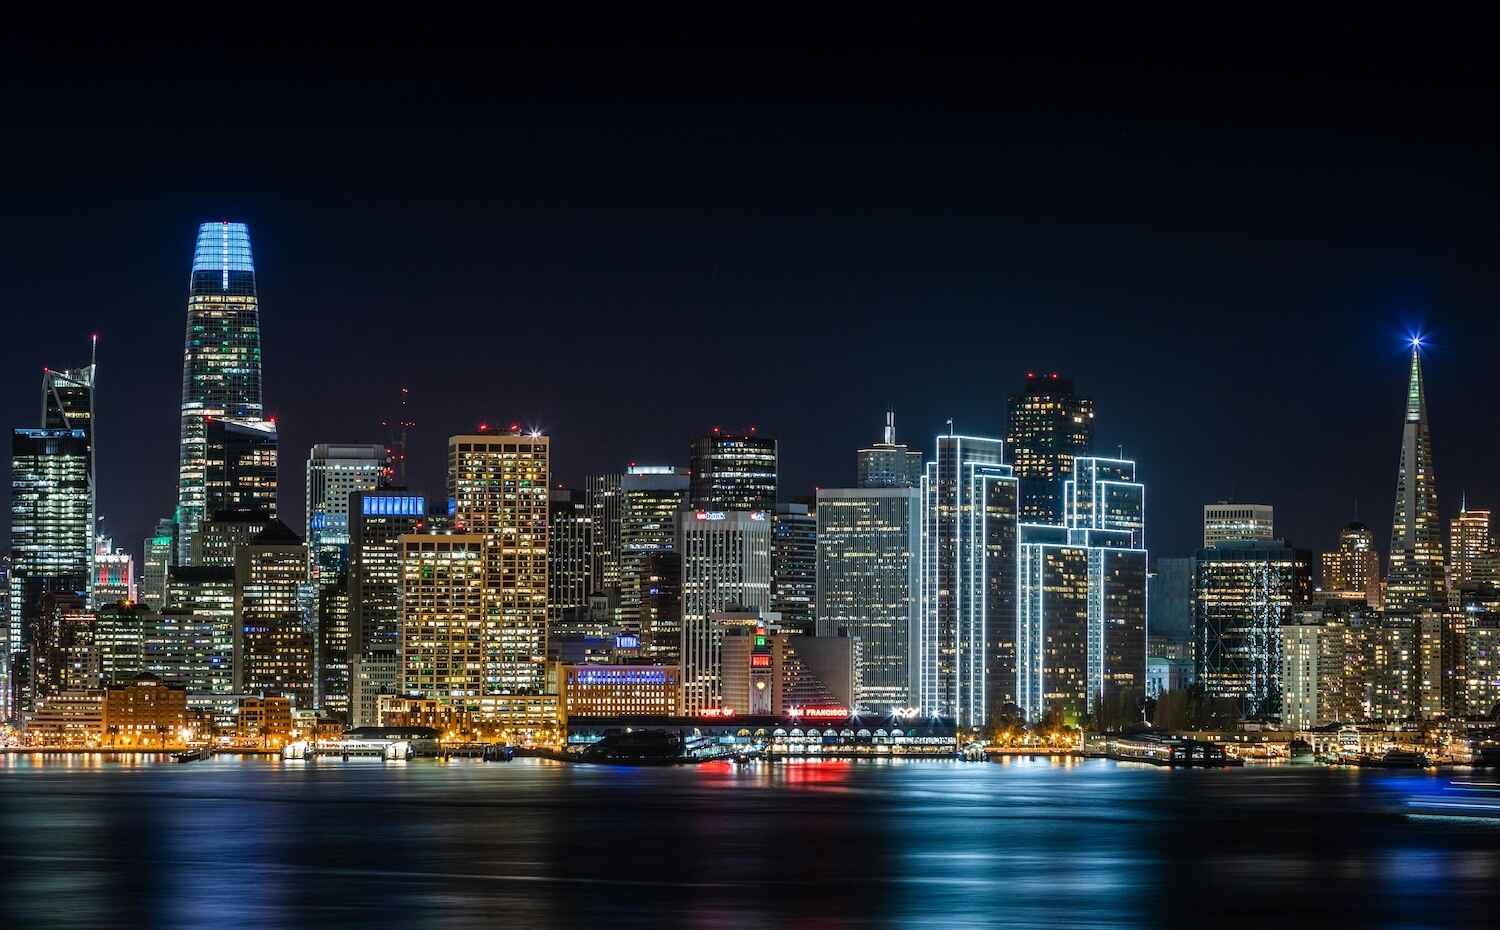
(1238, 322)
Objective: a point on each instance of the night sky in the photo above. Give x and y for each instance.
(625, 249)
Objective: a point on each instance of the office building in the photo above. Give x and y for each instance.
(1170, 601)
(274, 639)
(1047, 426)
(1355, 567)
(499, 487)
(770, 671)
(726, 560)
(157, 558)
(68, 404)
(203, 596)
(888, 464)
(377, 521)
(1230, 520)
(651, 499)
(1245, 591)
(1415, 577)
(617, 690)
(570, 542)
(733, 472)
(603, 498)
(113, 574)
(868, 581)
(661, 607)
(334, 472)
(221, 369)
(445, 646)
(794, 566)
(239, 466)
(966, 632)
(1471, 548)
(51, 534)
(333, 627)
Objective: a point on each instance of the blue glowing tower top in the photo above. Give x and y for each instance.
(221, 359)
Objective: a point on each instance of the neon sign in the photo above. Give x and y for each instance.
(716, 712)
(821, 713)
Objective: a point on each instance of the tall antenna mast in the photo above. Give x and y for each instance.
(890, 427)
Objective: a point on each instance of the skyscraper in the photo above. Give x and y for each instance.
(965, 649)
(377, 521)
(68, 403)
(794, 567)
(726, 559)
(869, 547)
(1047, 425)
(651, 497)
(570, 539)
(1355, 566)
(1415, 577)
(604, 497)
(334, 471)
(1231, 520)
(733, 472)
(221, 360)
(499, 487)
(239, 467)
(1472, 549)
(888, 464)
(275, 641)
(1245, 590)
(158, 558)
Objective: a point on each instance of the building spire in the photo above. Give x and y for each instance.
(1416, 401)
(890, 427)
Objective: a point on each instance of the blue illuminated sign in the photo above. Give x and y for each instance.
(391, 506)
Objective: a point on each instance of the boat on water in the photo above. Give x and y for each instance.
(193, 755)
(1403, 759)
(638, 747)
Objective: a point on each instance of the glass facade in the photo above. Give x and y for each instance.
(335, 471)
(378, 520)
(726, 559)
(221, 372)
(733, 472)
(651, 498)
(1047, 426)
(868, 555)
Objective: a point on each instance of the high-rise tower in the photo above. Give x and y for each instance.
(1415, 579)
(221, 360)
(733, 472)
(1047, 426)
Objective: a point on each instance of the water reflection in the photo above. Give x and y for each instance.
(247, 842)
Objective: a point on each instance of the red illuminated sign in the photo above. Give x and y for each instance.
(760, 661)
(716, 712)
(823, 713)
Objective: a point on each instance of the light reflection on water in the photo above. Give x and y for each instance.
(251, 842)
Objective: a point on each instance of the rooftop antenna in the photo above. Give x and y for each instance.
(890, 427)
(950, 426)
(395, 451)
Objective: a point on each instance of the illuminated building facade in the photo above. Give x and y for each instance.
(661, 607)
(570, 541)
(1047, 426)
(377, 521)
(499, 488)
(733, 472)
(726, 560)
(617, 690)
(888, 464)
(651, 499)
(1415, 578)
(204, 597)
(794, 566)
(767, 671)
(1245, 590)
(52, 529)
(868, 575)
(965, 643)
(1230, 520)
(146, 711)
(603, 495)
(334, 472)
(157, 559)
(62, 650)
(221, 371)
(113, 574)
(1475, 560)
(274, 639)
(1355, 566)
(444, 652)
(239, 466)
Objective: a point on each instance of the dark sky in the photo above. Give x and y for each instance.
(628, 247)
